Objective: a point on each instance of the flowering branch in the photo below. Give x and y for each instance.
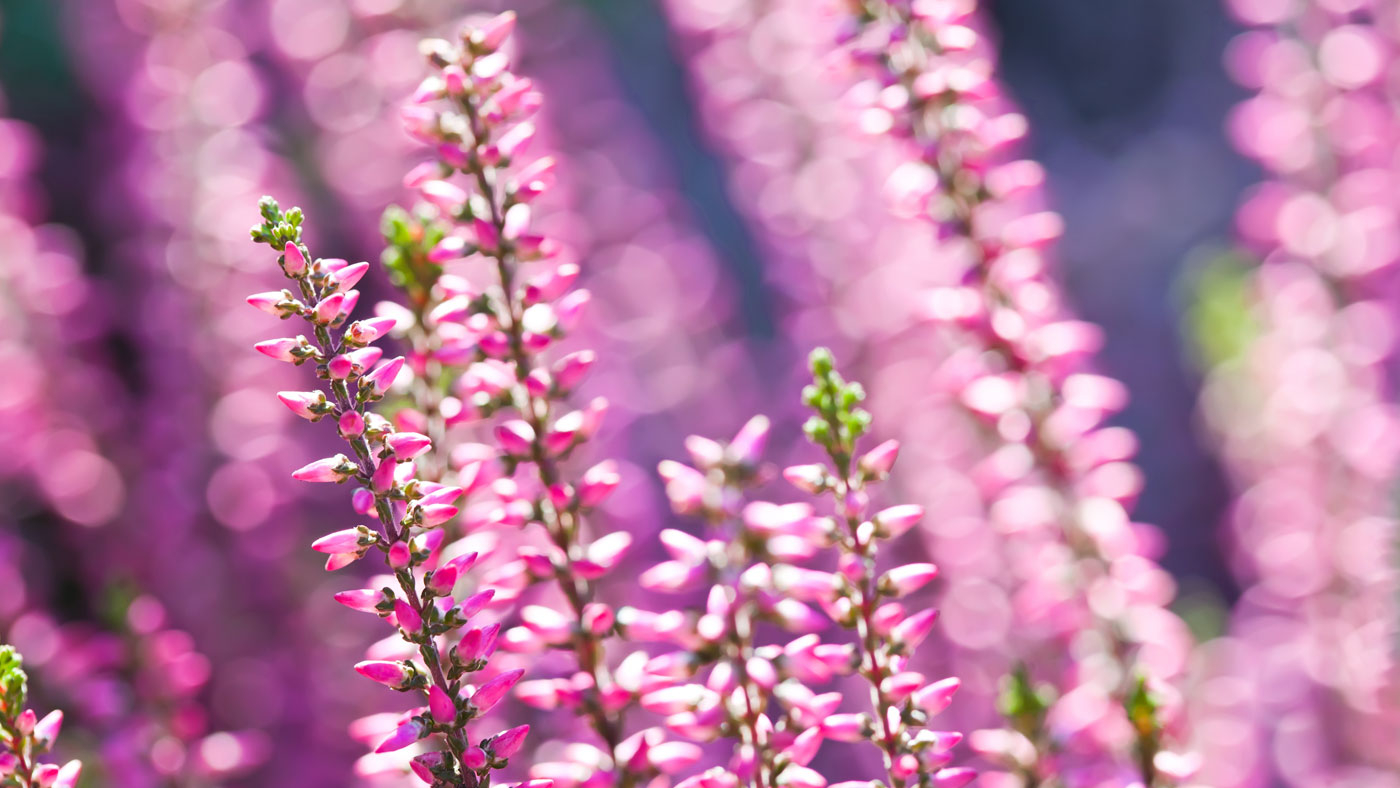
(480, 129)
(932, 86)
(408, 512)
(24, 737)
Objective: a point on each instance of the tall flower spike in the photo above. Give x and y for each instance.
(24, 737)
(1311, 469)
(724, 682)
(408, 514)
(1019, 373)
(475, 112)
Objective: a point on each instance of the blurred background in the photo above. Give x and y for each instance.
(150, 546)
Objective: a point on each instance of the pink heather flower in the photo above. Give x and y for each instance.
(748, 444)
(383, 478)
(490, 693)
(267, 302)
(331, 469)
(441, 706)
(346, 541)
(383, 377)
(673, 757)
(364, 600)
(279, 349)
(598, 483)
(508, 743)
(406, 734)
(348, 276)
(46, 730)
(68, 775)
(303, 403)
(515, 437)
(896, 520)
(909, 578)
(390, 674)
(878, 461)
(935, 697)
(408, 445)
(294, 262)
(911, 631)
(408, 618)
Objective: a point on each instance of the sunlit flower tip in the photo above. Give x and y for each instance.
(747, 446)
(908, 578)
(551, 625)
(306, 404)
(400, 555)
(383, 376)
(435, 514)
(474, 757)
(462, 563)
(515, 437)
(390, 674)
(474, 603)
(46, 730)
(267, 302)
(279, 349)
(597, 618)
(341, 560)
(808, 478)
(898, 519)
(516, 222)
(953, 778)
(484, 69)
(761, 672)
(685, 486)
(362, 599)
(294, 261)
(345, 540)
(805, 747)
(43, 776)
(845, 727)
(347, 277)
(331, 469)
(446, 196)
(491, 692)
(879, 460)
(508, 743)
(673, 757)
(406, 734)
(440, 705)
(68, 775)
(408, 618)
(911, 631)
(536, 177)
(341, 367)
(420, 174)
(598, 483)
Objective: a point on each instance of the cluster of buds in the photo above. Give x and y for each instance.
(24, 737)
(1053, 478)
(490, 300)
(723, 682)
(441, 648)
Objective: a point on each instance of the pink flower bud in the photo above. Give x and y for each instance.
(508, 743)
(408, 618)
(911, 631)
(801, 777)
(362, 500)
(598, 483)
(400, 555)
(491, 692)
(895, 520)
(406, 734)
(908, 578)
(331, 469)
(474, 603)
(747, 446)
(46, 730)
(293, 261)
(383, 479)
(515, 437)
(346, 541)
(475, 757)
(329, 308)
(569, 308)
(436, 514)
(448, 197)
(423, 765)
(845, 727)
(597, 618)
(486, 235)
(362, 599)
(303, 403)
(267, 302)
(390, 674)
(546, 622)
(496, 30)
(685, 486)
(351, 425)
(937, 696)
(878, 461)
(68, 776)
(441, 706)
(805, 747)
(279, 349)
(8, 764)
(44, 776)
(808, 478)
(366, 331)
(610, 549)
(383, 377)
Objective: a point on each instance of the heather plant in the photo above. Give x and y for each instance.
(1091, 702)
(760, 695)
(24, 737)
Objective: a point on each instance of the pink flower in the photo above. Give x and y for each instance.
(293, 261)
(390, 674)
(507, 743)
